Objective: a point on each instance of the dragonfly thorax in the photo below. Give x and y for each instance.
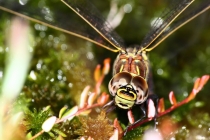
(132, 62)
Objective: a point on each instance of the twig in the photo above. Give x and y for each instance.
(198, 85)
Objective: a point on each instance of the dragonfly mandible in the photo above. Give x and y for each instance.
(129, 85)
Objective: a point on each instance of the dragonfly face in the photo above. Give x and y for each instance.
(129, 83)
(128, 90)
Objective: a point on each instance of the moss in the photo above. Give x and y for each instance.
(98, 128)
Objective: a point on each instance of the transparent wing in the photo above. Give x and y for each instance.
(95, 20)
(179, 23)
(57, 15)
(161, 24)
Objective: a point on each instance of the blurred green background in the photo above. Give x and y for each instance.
(63, 64)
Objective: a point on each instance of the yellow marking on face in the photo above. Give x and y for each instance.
(123, 103)
(129, 86)
(130, 95)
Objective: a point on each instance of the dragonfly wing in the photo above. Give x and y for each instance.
(90, 14)
(55, 15)
(181, 22)
(161, 24)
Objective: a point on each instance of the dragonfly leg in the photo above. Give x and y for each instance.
(109, 107)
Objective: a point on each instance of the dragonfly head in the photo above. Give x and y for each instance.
(128, 90)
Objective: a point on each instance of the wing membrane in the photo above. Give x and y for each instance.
(174, 11)
(181, 22)
(54, 17)
(95, 20)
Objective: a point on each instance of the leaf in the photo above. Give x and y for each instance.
(71, 113)
(106, 67)
(61, 112)
(84, 95)
(49, 123)
(103, 99)
(203, 81)
(97, 73)
(60, 132)
(151, 109)
(130, 117)
(117, 125)
(51, 134)
(161, 105)
(92, 98)
(172, 98)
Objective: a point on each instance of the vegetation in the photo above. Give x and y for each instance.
(61, 70)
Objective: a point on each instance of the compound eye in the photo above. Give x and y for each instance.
(141, 88)
(119, 80)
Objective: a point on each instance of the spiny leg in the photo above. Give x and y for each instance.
(109, 107)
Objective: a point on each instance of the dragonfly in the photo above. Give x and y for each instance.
(129, 85)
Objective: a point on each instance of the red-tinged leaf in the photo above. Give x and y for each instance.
(117, 126)
(98, 87)
(191, 96)
(103, 99)
(97, 73)
(196, 83)
(172, 98)
(151, 109)
(161, 105)
(130, 117)
(203, 81)
(106, 67)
